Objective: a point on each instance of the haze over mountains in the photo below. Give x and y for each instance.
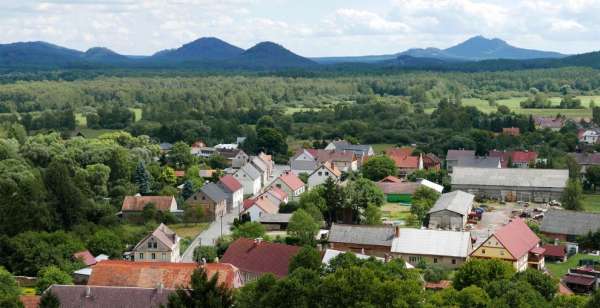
(477, 53)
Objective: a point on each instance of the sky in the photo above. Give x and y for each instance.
(308, 27)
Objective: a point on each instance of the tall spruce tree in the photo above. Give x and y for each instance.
(141, 177)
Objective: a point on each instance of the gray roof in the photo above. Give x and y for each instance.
(586, 158)
(365, 235)
(250, 171)
(275, 218)
(432, 243)
(516, 177)
(259, 164)
(478, 162)
(214, 192)
(76, 296)
(343, 145)
(456, 154)
(457, 201)
(570, 222)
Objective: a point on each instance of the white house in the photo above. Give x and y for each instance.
(291, 184)
(250, 179)
(305, 161)
(320, 175)
(259, 206)
(234, 191)
(262, 167)
(239, 159)
(162, 245)
(590, 136)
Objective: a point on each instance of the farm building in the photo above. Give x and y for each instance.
(451, 211)
(537, 185)
(568, 225)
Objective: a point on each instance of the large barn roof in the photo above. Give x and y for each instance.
(516, 177)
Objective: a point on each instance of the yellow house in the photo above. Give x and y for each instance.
(515, 243)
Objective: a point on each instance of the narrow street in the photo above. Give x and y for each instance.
(209, 236)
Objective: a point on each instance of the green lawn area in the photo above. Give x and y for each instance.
(560, 269)
(95, 133)
(591, 203)
(381, 147)
(188, 230)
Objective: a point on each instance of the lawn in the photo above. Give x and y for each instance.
(395, 212)
(95, 133)
(188, 230)
(381, 147)
(591, 203)
(560, 269)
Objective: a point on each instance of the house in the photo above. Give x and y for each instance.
(165, 147)
(514, 243)
(453, 156)
(512, 184)
(197, 147)
(268, 160)
(160, 245)
(305, 161)
(262, 168)
(332, 253)
(406, 163)
(582, 280)
(554, 252)
(511, 131)
(229, 154)
(212, 199)
(552, 123)
(516, 159)
(445, 248)
(431, 161)
(255, 258)
(398, 192)
(321, 174)
(259, 206)
(589, 136)
(234, 191)
(276, 195)
(345, 161)
(275, 222)
(151, 274)
(82, 275)
(239, 159)
(206, 152)
(369, 240)
(77, 296)
(250, 178)
(566, 225)
(451, 211)
(291, 184)
(362, 151)
(585, 160)
(132, 206)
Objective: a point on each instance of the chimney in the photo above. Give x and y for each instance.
(397, 231)
(88, 292)
(257, 241)
(160, 287)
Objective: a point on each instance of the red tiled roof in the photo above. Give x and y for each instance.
(558, 251)
(564, 290)
(517, 238)
(263, 203)
(30, 301)
(390, 179)
(404, 151)
(523, 156)
(179, 173)
(406, 162)
(278, 193)
(580, 280)
(291, 180)
(538, 250)
(230, 183)
(513, 131)
(263, 257)
(151, 274)
(332, 168)
(137, 203)
(86, 257)
(442, 284)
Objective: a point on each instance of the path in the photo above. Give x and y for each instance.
(209, 236)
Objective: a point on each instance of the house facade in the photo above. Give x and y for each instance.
(291, 185)
(276, 196)
(259, 206)
(162, 245)
(250, 178)
(322, 173)
(132, 206)
(368, 240)
(303, 162)
(239, 159)
(451, 211)
(234, 191)
(212, 199)
(453, 156)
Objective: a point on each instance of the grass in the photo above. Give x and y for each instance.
(381, 147)
(591, 203)
(292, 110)
(395, 211)
(95, 133)
(82, 121)
(188, 230)
(560, 269)
(28, 291)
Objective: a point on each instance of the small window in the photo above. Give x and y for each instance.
(483, 251)
(501, 252)
(326, 173)
(434, 260)
(141, 256)
(153, 256)
(278, 185)
(453, 261)
(164, 256)
(320, 173)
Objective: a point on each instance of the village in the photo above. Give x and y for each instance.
(434, 214)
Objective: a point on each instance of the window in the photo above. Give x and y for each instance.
(453, 261)
(141, 256)
(153, 256)
(320, 173)
(164, 256)
(278, 185)
(483, 251)
(152, 244)
(501, 252)
(434, 260)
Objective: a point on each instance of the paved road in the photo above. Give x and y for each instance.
(209, 236)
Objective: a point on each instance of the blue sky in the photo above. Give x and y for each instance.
(307, 27)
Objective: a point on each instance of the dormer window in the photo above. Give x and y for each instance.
(152, 244)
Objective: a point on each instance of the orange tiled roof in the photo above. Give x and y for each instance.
(30, 301)
(137, 203)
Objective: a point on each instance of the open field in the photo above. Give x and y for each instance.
(188, 230)
(381, 147)
(514, 105)
(95, 133)
(82, 121)
(292, 110)
(591, 203)
(560, 269)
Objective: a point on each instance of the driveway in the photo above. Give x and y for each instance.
(209, 236)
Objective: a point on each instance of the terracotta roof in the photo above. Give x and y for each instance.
(332, 168)
(86, 257)
(100, 296)
(517, 238)
(400, 152)
(333, 155)
(30, 301)
(263, 203)
(390, 179)
(513, 131)
(278, 193)
(580, 280)
(564, 290)
(558, 251)
(248, 203)
(538, 250)
(440, 285)
(137, 203)
(406, 162)
(398, 188)
(229, 182)
(151, 274)
(291, 180)
(179, 173)
(261, 257)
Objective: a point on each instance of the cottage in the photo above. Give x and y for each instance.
(445, 248)
(566, 225)
(133, 206)
(160, 245)
(255, 258)
(291, 184)
(305, 161)
(515, 243)
(151, 274)
(368, 240)
(362, 151)
(552, 123)
(77, 296)
(212, 199)
(538, 185)
(259, 206)
(451, 211)
(276, 195)
(453, 156)
(250, 178)
(234, 192)
(345, 161)
(589, 136)
(585, 160)
(239, 159)
(321, 174)
(262, 168)
(275, 222)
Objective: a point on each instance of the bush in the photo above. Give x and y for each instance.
(206, 253)
(51, 275)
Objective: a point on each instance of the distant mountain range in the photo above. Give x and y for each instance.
(209, 53)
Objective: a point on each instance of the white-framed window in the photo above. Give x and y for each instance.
(141, 256)
(153, 255)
